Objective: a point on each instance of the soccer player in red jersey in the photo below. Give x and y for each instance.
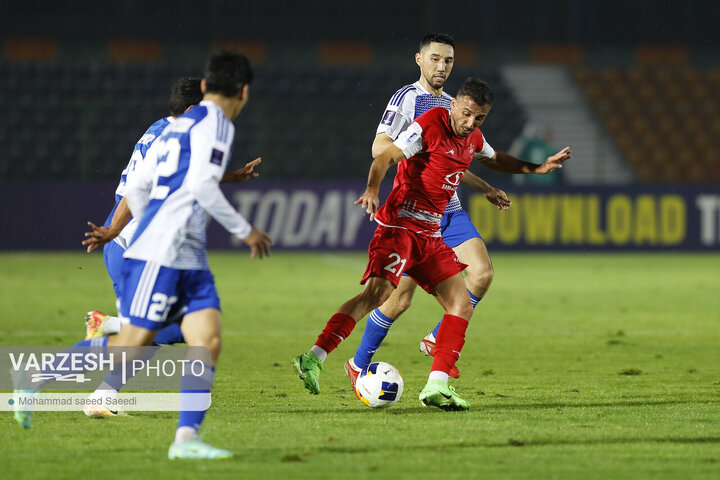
(433, 154)
(436, 58)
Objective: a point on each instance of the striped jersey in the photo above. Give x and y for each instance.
(404, 107)
(177, 184)
(138, 155)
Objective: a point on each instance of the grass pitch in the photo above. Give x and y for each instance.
(576, 366)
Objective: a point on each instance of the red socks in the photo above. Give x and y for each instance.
(338, 328)
(449, 342)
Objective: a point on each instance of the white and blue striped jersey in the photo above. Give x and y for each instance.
(177, 184)
(405, 106)
(138, 155)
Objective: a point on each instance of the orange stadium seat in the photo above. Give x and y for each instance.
(661, 114)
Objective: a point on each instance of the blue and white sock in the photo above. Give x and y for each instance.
(473, 299)
(189, 421)
(376, 329)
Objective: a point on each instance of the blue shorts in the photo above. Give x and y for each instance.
(456, 228)
(113, 255)
(151, 290)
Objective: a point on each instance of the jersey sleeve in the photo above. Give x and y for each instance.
(208, 160)
(399, 113)
(410, 141)
(487, 151)
(139, 182)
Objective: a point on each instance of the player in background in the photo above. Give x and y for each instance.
(433, 153)
(174, 189)
(436, 59)
(119, 227)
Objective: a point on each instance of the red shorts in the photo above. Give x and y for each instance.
(394, 251)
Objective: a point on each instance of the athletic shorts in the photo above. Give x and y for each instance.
(394, 251)
(150, 291)
(113, 255)
(456, 228)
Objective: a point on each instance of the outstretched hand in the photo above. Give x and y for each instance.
(370, 202)
(554, 162)
(98, 237)
(245, 173)
(498, 198)
(259, 243)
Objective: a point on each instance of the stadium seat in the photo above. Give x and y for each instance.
(672, 107)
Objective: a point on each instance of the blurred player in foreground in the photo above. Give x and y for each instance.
(166, 260)
(119, 228)
(433, 154)
(115, 234)
(436, 58)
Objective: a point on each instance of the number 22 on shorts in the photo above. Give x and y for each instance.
(397, 260)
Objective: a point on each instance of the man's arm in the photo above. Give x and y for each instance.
(380, 144)
(503, 162)
(370, 199)
(102, 235)
(395, 120)
(493, 195)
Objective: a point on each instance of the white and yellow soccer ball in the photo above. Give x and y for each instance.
(379, 385)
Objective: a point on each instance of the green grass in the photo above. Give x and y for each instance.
(577, 366)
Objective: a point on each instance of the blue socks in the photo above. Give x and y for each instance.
(473, 299)
(191, 396)
(376, 329)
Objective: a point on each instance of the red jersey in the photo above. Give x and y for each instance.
(436, 160)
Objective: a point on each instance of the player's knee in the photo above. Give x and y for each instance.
(397, 304)
(462, 309)
(213, 342)
(378, 293)
(478, 279)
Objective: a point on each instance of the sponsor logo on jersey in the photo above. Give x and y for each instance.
(451, 152)
(454, 178)
(216, 157)
(388, 117)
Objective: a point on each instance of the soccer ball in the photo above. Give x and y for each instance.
(379, 385)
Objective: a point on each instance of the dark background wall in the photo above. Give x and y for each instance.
(80, 80)
(588, 22)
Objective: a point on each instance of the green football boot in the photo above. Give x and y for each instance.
(441, 395)
(196, 449)
(308, 365)
(23, 399)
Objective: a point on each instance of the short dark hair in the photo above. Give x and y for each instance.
(443, 38)
(227, 73)
(185, 93)
(478, 90)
